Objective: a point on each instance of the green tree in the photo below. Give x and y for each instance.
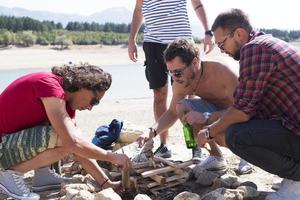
(6, 37)
(26, 38)
(63, 41)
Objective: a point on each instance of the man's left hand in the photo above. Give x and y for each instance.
(201, 139)
(208, 44)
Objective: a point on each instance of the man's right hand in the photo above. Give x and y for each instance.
(121, 160)
(132, 51)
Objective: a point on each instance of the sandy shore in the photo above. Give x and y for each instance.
(45, 56)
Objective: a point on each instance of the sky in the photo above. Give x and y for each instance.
(262, 13)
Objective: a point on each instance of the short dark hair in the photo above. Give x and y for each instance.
(83, 75)
(231, 20)
(182, 48)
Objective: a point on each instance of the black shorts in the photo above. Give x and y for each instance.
(156, 70)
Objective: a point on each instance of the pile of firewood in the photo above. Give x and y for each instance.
(157, 174)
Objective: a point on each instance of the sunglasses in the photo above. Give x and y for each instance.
(95, 101)
(221, 44)
(177, 72)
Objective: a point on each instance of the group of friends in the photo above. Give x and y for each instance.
(255, 115)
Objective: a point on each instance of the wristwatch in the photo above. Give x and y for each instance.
(207, 116)
(209, 32)
(207, 134)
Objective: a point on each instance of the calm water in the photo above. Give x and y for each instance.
(128, 80)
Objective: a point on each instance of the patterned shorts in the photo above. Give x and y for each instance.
(25, 145)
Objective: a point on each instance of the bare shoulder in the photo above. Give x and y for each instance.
(220, 66)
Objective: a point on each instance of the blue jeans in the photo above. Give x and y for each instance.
(268, 145)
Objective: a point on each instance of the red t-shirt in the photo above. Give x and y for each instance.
(20, 103)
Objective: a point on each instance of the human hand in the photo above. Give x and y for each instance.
(208, 44)
(121, 160)
(194, 117)
(132, 51)
(143, 139)
(201, 138)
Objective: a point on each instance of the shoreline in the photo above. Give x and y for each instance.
(45, 56)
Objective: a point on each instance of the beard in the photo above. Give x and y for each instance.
(190, 80)
(236, 55)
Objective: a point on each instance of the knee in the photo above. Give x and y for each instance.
(231, 136)
(160, 95)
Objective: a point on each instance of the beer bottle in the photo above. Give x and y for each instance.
(189, 136)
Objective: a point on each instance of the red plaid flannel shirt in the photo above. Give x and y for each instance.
(269, 82)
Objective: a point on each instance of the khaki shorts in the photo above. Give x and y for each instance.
(24, 145)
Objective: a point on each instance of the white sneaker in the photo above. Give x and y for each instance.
(289, 190)
(12, 184)
(244, 167)
(213, 163)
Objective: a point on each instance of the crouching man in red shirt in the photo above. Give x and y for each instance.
(37, 126)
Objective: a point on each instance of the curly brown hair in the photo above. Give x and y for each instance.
(83, 75)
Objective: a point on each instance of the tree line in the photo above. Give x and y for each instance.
(25, 31)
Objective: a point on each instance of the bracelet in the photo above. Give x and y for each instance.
(209, 32)
(153, 131)
(207, 134)
(198, 6)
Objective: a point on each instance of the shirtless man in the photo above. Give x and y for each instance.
(212, 82)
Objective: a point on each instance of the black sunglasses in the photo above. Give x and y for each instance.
(95, 101)
(221, 44)
(177, 72)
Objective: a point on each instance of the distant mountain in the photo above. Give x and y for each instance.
(114, 14)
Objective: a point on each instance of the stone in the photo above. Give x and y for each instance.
(187, 196)
(203, 176)
(227, 181)
(224, 194)
(249, 192)
(107, 194)
(75, 186)
(142, 197)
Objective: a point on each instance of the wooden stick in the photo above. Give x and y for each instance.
(142, 164)
(139, 171)
(179, 171)
(159, 179)
(167, 162)
(125, 179)
(169, 179)
(165, 169)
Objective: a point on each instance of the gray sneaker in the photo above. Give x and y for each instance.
(46, 179)
(163, 151)
(13, 185)
(197, 154)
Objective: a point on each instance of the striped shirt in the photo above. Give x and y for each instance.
(165, 20)
(269, 82)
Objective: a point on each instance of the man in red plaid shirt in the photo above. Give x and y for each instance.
(263, 125)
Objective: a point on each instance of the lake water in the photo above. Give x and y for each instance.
(128, 81)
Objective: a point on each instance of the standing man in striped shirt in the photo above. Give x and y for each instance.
(263, 125)
(165, 20)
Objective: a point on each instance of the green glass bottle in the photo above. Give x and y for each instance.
(189, 136)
